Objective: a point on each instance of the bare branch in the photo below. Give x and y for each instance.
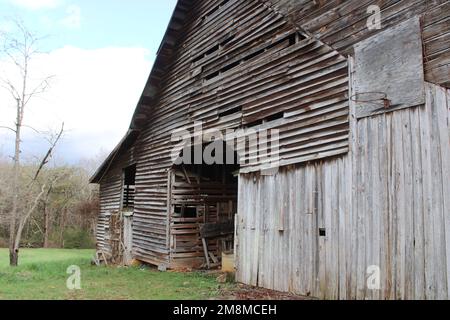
(41, 88)
(39, 132)
(37, 225)
(30, 127)
(24, 219)
(7, 50)
(49, 153)
(7, 85)
(4, 127)
(43, 133)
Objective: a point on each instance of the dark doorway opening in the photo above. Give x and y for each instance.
(129, 188)
(204, 204)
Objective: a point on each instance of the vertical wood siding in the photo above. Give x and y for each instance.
(386, 204)
(294, 258)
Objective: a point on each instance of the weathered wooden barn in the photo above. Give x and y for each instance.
(360, 109)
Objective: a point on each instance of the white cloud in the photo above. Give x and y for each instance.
(94, 93)
(37, 4)
(73, 18)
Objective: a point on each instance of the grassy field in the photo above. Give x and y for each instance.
(42, 275)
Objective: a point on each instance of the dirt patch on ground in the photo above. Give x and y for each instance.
(243, 292)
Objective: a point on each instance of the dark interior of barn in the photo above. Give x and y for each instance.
(129, 182)
(204, 203)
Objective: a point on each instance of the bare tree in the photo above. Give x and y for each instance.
(20, 49)
(23, 217)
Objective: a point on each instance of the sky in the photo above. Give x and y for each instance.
(100, 53)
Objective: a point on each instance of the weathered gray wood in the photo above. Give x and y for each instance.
(127, 238)
(385, 204)
(341, 24)
(390, 65)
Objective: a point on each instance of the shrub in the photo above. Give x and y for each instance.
(75, 238)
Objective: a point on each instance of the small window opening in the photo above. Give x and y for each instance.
(276, 116)
(230, 112)
(197, 59)
(185, 211)
(207, 53)
(230, 66)
(212, 75)
(294, 38)
(254, 55)
(212, 50)
(190, 212)
(129, 187)
(254, 123)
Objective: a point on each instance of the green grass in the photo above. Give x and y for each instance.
(42, 275)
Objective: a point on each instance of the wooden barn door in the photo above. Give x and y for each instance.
(127, 210)
(127, 238)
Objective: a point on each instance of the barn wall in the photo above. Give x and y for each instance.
(234, 64)
(384, 204)
(109, 202)
(231, 65)
(231, 59)
(209, 42)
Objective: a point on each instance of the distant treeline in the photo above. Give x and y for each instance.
(65, 216)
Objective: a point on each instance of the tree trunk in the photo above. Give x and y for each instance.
(14, 258)
(13, 251)
(46, 226)
(62, 226)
